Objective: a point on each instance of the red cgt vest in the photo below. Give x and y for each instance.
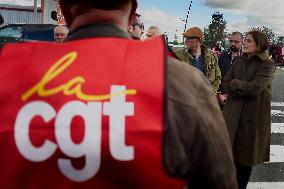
(83, 114)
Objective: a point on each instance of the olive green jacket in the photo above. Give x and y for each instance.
(248, 108)
(212, 70)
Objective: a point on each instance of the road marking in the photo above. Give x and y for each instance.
(277, 113)
(265, 185)
(277, 103)
(277, 128)
(276, 153)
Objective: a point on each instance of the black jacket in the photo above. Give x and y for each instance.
(225, 62)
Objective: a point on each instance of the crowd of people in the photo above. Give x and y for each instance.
(189, 119)
(241, 78)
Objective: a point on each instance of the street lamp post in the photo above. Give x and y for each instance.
(35, 11)
(187, 15)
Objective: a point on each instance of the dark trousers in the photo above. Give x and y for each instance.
(243, 174)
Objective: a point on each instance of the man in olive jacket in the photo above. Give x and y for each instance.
(200, 57)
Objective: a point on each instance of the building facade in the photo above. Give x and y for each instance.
(15, 14)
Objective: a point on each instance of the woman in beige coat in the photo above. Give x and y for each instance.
(247, 111)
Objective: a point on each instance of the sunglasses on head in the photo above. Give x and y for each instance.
(140, 25)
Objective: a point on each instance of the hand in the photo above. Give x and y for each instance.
(222, 98)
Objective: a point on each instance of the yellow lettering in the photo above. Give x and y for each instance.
(73, 87)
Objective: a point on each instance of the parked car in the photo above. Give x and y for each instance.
(26, 32)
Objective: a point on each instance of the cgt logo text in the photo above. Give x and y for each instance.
(91, 112)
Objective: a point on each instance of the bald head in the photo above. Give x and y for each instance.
(60, 33)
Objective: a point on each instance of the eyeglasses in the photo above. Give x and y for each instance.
(189, 38)
(60, 34)
(234, 41)
(140, 25)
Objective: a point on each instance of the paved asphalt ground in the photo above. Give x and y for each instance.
(271, 175)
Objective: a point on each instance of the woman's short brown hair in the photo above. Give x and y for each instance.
(261, 40)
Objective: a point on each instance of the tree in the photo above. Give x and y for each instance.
(269, 32)
(216, 30)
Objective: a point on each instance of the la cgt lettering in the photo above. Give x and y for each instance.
(90, 148)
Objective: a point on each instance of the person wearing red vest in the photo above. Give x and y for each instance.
(86, 114)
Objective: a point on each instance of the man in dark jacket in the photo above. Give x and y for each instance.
(226, 59)
(1, 20)
(136, 28)
(195, 140)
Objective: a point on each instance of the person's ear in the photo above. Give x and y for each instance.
(130, 29)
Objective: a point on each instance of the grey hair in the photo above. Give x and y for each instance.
(156, 28)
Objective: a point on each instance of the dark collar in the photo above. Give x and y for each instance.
(97, 30)
(262, 56)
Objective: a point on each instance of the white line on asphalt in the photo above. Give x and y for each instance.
(277, 113)
(276, 153)
(265, 185)
(277, 127)
(277, 103)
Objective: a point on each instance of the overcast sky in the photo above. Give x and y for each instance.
(239, 14)
(255, 12)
